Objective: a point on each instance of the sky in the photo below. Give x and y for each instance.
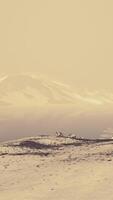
(67, 41)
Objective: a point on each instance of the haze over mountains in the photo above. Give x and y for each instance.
(32, 104)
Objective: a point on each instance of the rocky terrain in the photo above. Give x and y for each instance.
(50, 167)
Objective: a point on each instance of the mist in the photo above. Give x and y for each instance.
(56, 67)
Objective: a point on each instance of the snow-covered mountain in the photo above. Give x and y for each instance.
(27, 89)
(33, 103)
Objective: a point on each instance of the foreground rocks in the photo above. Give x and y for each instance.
(47, 168)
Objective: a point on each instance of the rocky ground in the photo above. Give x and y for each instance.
(52, 168)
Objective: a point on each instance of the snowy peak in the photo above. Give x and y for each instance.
(29, 89)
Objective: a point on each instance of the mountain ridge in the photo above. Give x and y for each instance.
(41, 89)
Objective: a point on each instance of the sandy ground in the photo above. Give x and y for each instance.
(68, 173)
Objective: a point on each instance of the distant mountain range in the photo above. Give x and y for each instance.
(32, 103)
(27, 89)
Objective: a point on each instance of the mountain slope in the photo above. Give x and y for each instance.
(30, 104)
(28, 88)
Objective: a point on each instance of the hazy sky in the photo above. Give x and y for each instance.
(69, 40)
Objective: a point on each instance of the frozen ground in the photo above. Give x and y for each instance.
(51, 168)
